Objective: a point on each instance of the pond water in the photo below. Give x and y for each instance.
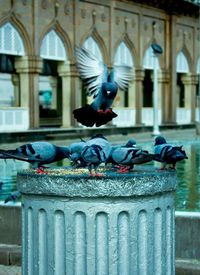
(188, 172)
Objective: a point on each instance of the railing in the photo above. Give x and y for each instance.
(14, 119)
(126, 117)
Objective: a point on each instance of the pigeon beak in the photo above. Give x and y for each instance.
(108, 92)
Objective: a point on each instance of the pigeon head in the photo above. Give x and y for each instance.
(160, 140)
(131, 143)
(109, 89)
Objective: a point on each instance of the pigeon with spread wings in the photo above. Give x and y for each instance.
(102, 85)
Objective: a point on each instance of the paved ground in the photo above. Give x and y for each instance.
(10, 270)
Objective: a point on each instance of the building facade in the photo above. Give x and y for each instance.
(39, 83)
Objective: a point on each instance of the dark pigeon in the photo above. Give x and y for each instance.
(100, 84)
(168, 154)
(127, 157)
(13, 196)
(75, 150)
(37, 154)
(95, 152)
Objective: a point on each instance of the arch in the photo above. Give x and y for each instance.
(52, 47)
(182, 65)
(62, 35)
(123, 55)
(92, 45)
(10, 40)
(19, 27)
(130, 47)
(98, 39)
(149, 59)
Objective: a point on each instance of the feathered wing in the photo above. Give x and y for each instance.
(92, 70)
(122, 75)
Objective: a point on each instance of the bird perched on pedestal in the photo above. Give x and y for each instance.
(126, 157)
(100, 84)
(75, 150)
(168, 153)
(95, 152)
(13, 197)
(37, 154)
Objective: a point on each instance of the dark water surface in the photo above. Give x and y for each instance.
(188, 172)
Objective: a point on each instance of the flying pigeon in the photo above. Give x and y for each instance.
(13, 196)
(37, 154)
(95, 152)
(127, 157)
(168, 153)
(102, 85)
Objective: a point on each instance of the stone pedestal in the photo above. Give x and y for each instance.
(117, 224)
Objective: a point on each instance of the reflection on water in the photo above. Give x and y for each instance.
(188, 172)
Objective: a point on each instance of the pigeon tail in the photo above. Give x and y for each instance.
(105, 117)
(86, 115)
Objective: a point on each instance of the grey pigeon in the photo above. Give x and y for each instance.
(131, 143)
(100, 84)
(168, 153)
(127, 157)
(13, 196)
(37, 154)
(95, 152)
(75, 150)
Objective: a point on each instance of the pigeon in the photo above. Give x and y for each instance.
(95, 152)
(102, 85)
(1, 184)
(37, 154)
(13, 196)
(130, 144)
(168, 154)
(126, 157)
(75, 150)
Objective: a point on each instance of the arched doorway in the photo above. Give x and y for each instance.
(124, 103)
(147, 109)
(13, 113)
(53, 53)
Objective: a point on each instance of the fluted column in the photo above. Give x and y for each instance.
(118, 224)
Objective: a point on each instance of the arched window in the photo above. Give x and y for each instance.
(10, 40)
(182, 63)
(123, 56)
(149, 59)
(91, 45)
(52, 47)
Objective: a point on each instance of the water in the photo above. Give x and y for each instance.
(188, 172)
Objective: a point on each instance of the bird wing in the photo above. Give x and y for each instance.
(92, 70)
(121, 75)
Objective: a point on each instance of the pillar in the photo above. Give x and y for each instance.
(29, 68)
(136, 94)
(190, 81)
(64, 72)
(164, 96)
